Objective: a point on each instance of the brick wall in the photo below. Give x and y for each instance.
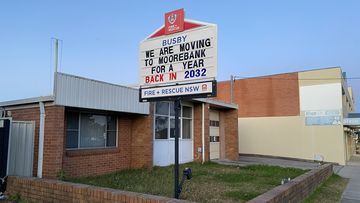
(297, 189)
(198, 133)
(134, 150)
(134, 145)
(45, 190)
(53, 140)
(87, 162)
(228, 129)
(54, 136)
(231, 134)
(142, 141)
(276, 95)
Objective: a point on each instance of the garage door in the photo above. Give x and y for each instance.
(214, 135)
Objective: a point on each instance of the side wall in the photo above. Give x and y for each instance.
(272, 114)
(275, 95)
(289, 137)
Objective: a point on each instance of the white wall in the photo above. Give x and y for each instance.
(321, 97)
(164, 153)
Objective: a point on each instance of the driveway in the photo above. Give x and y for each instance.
(254, 160)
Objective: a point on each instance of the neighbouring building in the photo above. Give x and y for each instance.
(89, 127)
(295, 115)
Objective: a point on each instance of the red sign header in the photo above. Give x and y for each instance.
(174, 21)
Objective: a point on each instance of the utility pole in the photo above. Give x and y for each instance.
(232, 77)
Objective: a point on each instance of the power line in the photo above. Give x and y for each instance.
(279, 78)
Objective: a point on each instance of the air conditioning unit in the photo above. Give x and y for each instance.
(318, 157)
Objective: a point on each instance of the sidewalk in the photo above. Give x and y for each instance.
(351, 171)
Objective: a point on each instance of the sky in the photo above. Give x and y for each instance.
(100, 38)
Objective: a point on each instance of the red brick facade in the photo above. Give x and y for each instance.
(101, 161)
(276, 95)
(230, 125)
(134, 150)
(134, 144)
(229, 148)
(142, 141)
(198, 132)
(53, 140)
(54, 136)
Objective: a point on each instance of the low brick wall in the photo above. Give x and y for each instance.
(298, 188)
(45, 190)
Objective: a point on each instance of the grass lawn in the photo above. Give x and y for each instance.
(211, 182)
(329, 191)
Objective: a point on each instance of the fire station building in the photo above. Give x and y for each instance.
(90, 127)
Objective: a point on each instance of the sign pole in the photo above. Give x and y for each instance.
(177, 108)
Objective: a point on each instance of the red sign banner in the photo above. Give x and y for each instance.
(174, 21)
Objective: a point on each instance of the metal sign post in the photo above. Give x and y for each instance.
(177, 108)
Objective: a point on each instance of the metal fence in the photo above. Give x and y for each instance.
(21, 148)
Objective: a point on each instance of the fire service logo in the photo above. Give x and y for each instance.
(172, 18)
(204, 87)
(174, 21)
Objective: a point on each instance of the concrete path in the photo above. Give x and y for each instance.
(252, 160)
(351, 171)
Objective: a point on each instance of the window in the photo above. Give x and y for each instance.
(86, 130)
(186, 122)
(214, 123)
(165, 121)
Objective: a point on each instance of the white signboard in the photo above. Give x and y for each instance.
(200, 88)
(183, 57)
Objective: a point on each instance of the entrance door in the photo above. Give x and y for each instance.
(214, 135)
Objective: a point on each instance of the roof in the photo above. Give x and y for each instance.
(354, 115)
(217, 103)
(27, 101)
(188, 25)
(74, 91)
(80, 92)
(277, 74)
